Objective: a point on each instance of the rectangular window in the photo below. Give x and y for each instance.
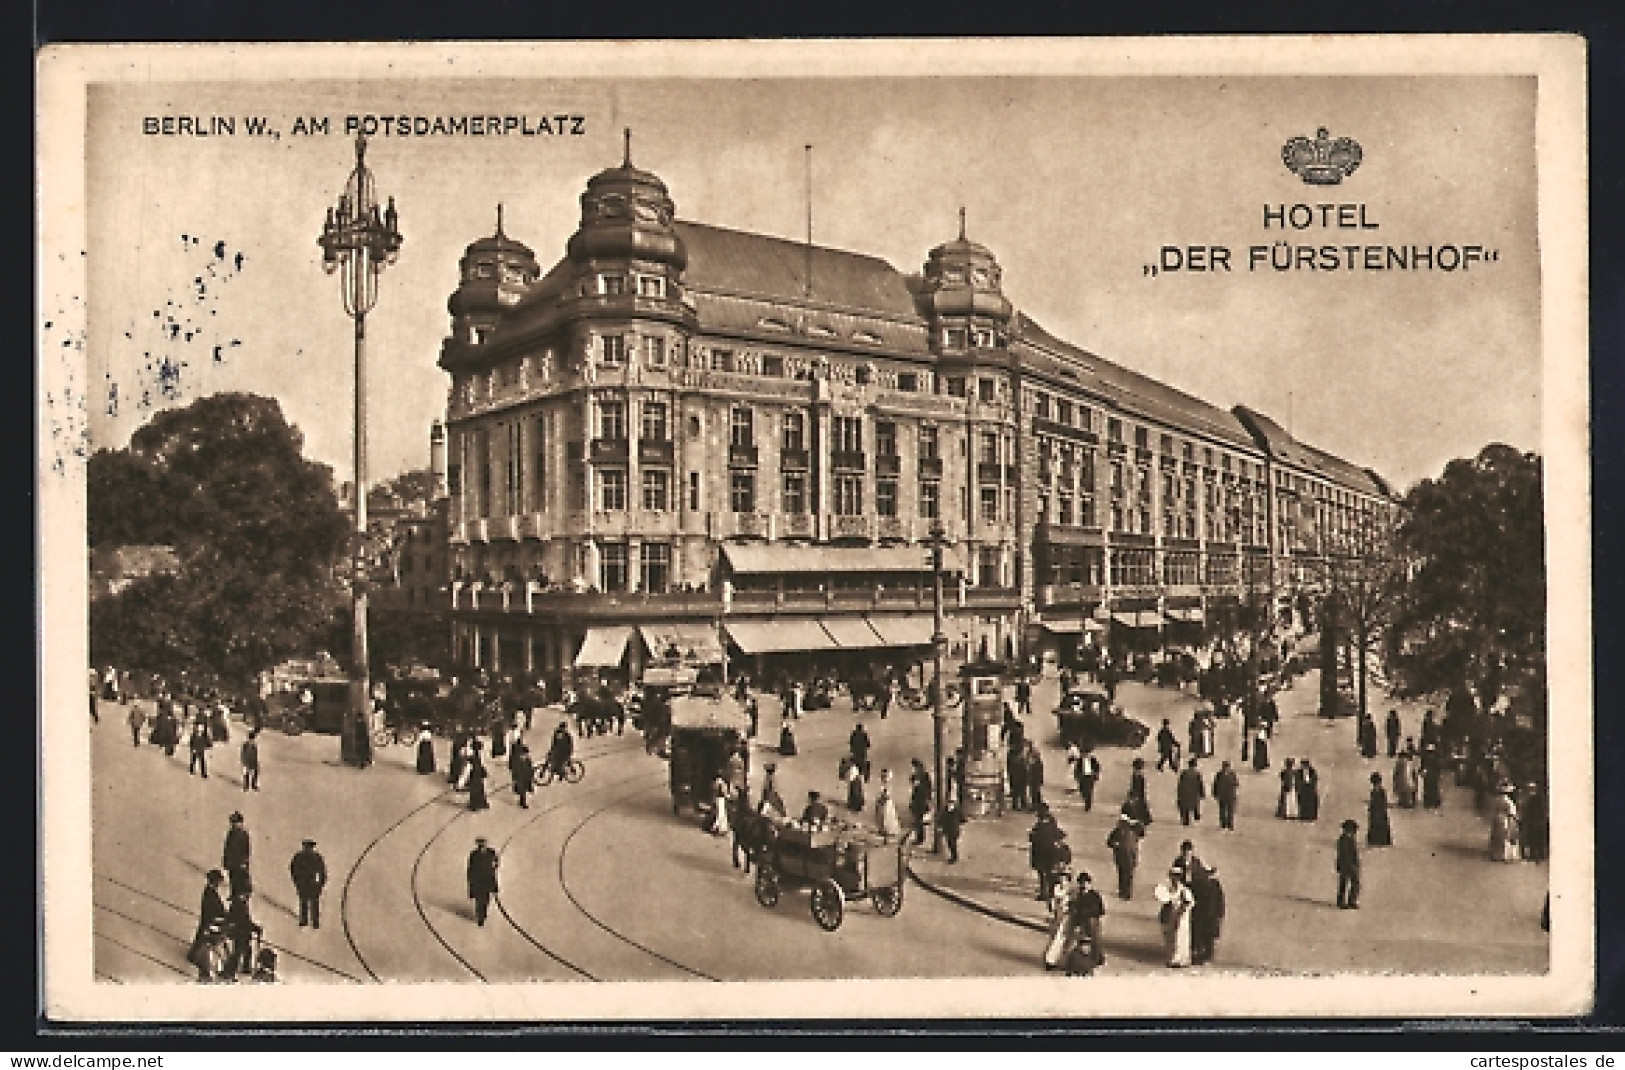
(795, 493)
(612, 489)
(954, 338)
(982, 337)
(886, 497)
(742, 431)
(928, 443)
(742, 491)
(1142, 438)
(1114, 429)
(578, 488)
(1041, 405)
(693, 492)
(987, 567)
(849, 434)
(614, 350)
(655, 428)
(654, 352)
(611, 285)
(908, 382)
(656, 489)
(1117, 480)
(1165, 445)
(1063, 412)
(990, 504)
(848, 494)
(930, 499)
(722, 360)
(612, 419)
(885, 438)
(956, 386)
(1065, 516)
(795, 431)
(986, 390)
(651, 286)
(656, 567)
(612, 566)
(990, 447)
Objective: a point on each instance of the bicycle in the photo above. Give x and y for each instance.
(573, 772)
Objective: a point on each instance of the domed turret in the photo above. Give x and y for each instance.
(627, 214)
(495, 273)
(962, 279)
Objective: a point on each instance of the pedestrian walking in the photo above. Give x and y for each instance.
(1024, 697)
(721, 803)
(1035, 777)
(198, 744)
(1377, 832)
(787, 740)
(1226, 789)
(458, 762)
(858, 743)
(250, 755)
(1087, 771)
(1124, 842)
(772, 803)
(137, 720)
(1286, 804)
(524, 774)
(919, 799)
(1368, 736)
(1174, 915)
(1060, 923)
(1431, 772)
(482, 878)
(886, 820)
(1405, 779)
(235, 852)
(1136, 804)
(1261, 750)
(952, 821)
(1043, 839)
(167, 731)
(1207, 914)
(1015, 769)
(475, 773)
(425, 762)
(1504, 827)
(1348, 867)
(1308, 790)
(1190, 791)
(1087, 952)
(854, 788)
(211, 918)
(1393, 730)
(754, 713)
(747, 829)
(241, 929)
(1167, 748)
(308, 870)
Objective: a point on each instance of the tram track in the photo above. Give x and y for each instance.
(154, 959)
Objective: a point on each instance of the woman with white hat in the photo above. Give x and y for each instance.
(1504, 826)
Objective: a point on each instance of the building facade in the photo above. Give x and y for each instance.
(681, 431)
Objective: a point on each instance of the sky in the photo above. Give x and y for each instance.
(1074, 182)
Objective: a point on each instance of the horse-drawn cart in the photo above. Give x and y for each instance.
(837, 865)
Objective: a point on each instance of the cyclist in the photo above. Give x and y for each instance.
(561, 750)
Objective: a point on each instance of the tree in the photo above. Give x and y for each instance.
(1469, 617)
(1364, 584)
(255, 525)
(406, 488)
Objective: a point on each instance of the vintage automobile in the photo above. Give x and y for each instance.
(837, 865)
(1087, 717)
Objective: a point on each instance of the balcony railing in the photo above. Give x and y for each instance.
(741, 456)
(654, 451)
(848, 460)
(795, 525)
(893, 527)
(988, 471)
(850, 527)
(888, 464)
(793, 460)
(930, 467)
(608, 451)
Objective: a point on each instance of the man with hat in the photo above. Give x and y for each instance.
(211, 915)
(816, 812)
(1348, 867)
(1088, 914)
(1124, 842)
(309, 872)
(1045, 844)
(771, 801)
(234, 854)
(482, 877)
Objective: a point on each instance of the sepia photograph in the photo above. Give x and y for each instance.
(944, 529)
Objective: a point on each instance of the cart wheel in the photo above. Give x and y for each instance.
(767, 887)
(828, 905)
(888, 900)
(574, 771)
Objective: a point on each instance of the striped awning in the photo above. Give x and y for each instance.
(784, 635)
(852, 633)
(696, 644)
(1188, 614)
(1145, 618)
(603, 648)
(904, 631)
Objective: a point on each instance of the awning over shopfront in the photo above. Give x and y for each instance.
(757, 559)
(904, 631)
(603, 648)
(1145, 618)
(1189, 614)
(852, 633)
(696, 644)
(709, 713)
(1073, 626)
(784, 635)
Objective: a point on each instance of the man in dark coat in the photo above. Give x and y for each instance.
(815, 812)
(1024, 696)
(234, 854)
(482, 878)
(309, 872)
(251, 761)
(1167, 747)
(241, 928)
(1394, 731)
(1368, 736)
(1015, 767)
(524, 773)
(1190, 792)
(1035, 776)
(1207, 914)
(919, 799)
(211, 912)
(858, 743)
(1087, 772)
(1226, 788)
(1308, 792)
(952, 820)
(1124, 842)
(1348, 867)
(1043, 843)
(199, 744)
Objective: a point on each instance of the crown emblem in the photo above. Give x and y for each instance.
(1323, 161)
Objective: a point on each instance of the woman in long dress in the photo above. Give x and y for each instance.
(718, 825)
(1261, 750)
(474, 772)
(1308, 792)
(854, 788)
(1405, 780)
(1286, 805)
(1175, 917)
(1060, 920)
(1504, 828)
(1137, 805)
(1377, 833)
(425, 750)
(886, 821)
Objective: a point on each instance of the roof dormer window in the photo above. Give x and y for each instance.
(983, 338)
(954, 337)
(611, 285)
(651, 286)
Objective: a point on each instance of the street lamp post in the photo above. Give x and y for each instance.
(360, 240)
(939, 641)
